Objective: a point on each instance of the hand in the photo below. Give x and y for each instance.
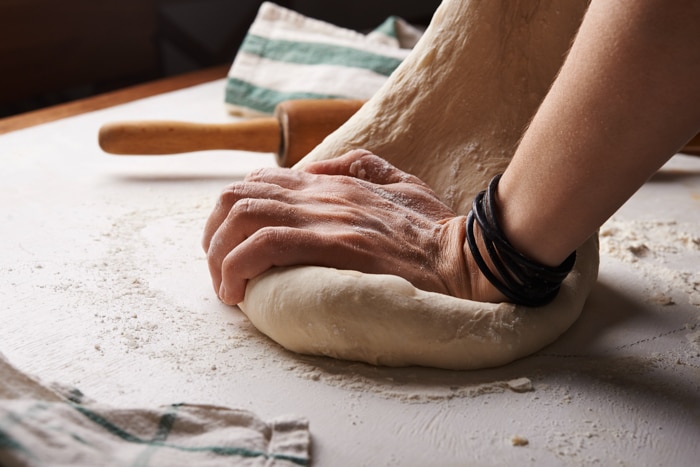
(353, 212)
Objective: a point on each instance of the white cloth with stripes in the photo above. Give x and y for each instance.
(53, 425)
(286, 55)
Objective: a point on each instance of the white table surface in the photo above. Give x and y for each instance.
(104, 286)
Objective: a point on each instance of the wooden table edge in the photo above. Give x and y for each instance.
(109, 99)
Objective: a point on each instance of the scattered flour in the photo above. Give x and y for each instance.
(412, 384)
(147, 315)
(694, 339)
(136, 312)
(663, 251)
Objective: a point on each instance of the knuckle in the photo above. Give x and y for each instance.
(259, 174)
(254, 174)
(268, 235)
(232, 193)
(273, 240)
(244, 208)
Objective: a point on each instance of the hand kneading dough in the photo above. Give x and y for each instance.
(451, 114)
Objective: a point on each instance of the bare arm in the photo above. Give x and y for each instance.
(626, 99)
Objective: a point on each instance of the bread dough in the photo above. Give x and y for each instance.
(384, 320)
(451, 114)
(454, 111)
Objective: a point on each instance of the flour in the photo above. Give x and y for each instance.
(663, 251)
(149, 314)
(138, 313)
(694, 340)
(131, 312)
(409, 385)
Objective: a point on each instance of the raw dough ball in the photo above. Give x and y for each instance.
(384, 320)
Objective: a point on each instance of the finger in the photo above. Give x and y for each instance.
(245, 218)
(233, 194)
(275, 247)
(337, 165)
(267, 248)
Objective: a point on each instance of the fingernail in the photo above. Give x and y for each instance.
(222, 293)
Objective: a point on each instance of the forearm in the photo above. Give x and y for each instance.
(627, 98)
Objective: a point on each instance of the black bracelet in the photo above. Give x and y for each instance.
(521, 279)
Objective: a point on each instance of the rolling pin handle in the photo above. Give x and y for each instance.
(172, 137)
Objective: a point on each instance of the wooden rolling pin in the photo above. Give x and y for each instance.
(297, 127)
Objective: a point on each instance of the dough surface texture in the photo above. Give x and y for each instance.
(384, 320)
(451, 114)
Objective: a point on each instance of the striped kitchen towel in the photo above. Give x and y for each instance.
(43, 425)
(286, 55)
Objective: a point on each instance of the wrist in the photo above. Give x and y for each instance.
(482, 289)
(526, 223)
(461, 275)
(520, 278)
(452, 266)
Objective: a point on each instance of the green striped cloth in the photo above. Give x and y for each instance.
(50, 426)
(286, 55)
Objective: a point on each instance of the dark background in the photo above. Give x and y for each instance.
(54, 51)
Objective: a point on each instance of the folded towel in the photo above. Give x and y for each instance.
(51, 425)
(286, 55)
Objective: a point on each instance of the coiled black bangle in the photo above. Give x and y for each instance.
(521, 279)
